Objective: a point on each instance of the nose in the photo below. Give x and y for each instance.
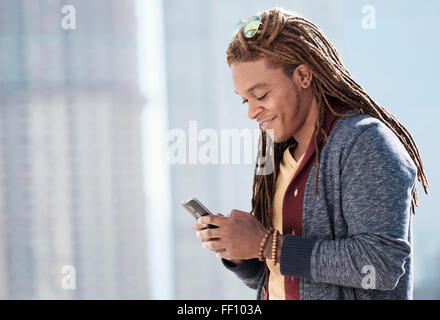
(254, 110)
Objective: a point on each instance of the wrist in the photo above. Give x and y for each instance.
(267, 253)
(263, 245)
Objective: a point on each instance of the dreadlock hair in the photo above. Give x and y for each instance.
(286, 40)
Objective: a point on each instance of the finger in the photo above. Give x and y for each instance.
(237, 213)
(215, 246)
(222, 254)
(197, 226)
(208, 234)
(216, 220)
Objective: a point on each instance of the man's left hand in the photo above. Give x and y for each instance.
(238, 235)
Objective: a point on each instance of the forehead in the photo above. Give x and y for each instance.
(243, 70)
(247, 74)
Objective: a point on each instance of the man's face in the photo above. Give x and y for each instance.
(275, 101)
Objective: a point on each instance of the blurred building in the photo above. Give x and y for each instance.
(71, 184)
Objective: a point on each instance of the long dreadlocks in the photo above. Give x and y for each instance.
(285, 41)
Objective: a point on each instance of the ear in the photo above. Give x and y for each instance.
(303, 76)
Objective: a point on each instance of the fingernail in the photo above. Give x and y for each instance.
(198, 234)
(204, 245)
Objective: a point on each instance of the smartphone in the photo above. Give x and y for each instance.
(197, 209)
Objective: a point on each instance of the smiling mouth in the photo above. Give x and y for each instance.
(264, 124)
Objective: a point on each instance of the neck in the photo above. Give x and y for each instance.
(304, 135)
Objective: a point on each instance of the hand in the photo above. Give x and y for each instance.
(199, 227)
(238, 236)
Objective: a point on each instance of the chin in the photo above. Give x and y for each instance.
(280, 138)
(279, 135)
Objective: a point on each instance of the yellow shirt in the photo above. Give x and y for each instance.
(288, 167)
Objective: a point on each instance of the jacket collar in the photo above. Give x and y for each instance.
(329, 122)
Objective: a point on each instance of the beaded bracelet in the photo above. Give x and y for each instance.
(274, 247)
(263, 244)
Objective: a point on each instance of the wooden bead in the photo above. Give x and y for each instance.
(274, 247)
(263, 244)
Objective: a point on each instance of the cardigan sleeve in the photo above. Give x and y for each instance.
(377, 179)
(249, 271)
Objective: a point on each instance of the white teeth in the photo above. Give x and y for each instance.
(266, 122)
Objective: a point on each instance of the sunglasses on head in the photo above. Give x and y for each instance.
(250, 28)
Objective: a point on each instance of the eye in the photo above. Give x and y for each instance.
(262, 98)
(259, 99)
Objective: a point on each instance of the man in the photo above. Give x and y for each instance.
(343, 186)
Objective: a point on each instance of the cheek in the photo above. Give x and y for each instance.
(290, 108)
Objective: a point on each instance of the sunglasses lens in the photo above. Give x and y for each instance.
(236, 29)
(251, 26)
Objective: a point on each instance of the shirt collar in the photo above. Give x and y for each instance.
(329, 122)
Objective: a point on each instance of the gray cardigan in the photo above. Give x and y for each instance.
(356, 232)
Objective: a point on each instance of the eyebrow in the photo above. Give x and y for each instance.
(255, 86)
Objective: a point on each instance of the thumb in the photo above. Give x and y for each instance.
(237, 213)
